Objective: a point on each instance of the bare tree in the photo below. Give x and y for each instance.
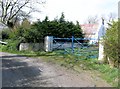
(12, 10)
(92, 20)
(111, 17)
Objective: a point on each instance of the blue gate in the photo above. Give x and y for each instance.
(75, 47)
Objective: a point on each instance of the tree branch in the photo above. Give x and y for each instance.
(6, 10)
(18, 10)
(2, 5)
(11, 10)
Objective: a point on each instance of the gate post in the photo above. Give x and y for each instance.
(48, 44)
(101, 33)
(72, 44)
(101, 50)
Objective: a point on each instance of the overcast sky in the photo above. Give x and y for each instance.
(77, 9)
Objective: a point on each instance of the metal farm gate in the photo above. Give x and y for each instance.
(73, 46)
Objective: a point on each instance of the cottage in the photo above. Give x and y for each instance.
(93, 32)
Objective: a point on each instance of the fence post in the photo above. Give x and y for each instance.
(48, 44)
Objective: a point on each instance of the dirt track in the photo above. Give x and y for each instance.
(19, 71)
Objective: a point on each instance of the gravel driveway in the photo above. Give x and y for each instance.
(20, 71)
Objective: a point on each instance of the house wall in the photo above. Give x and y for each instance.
(94, 31)
(91, 32)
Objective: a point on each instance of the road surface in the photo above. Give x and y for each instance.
(21, 71)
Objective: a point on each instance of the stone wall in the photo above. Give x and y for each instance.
(31, 46)
(40, 46)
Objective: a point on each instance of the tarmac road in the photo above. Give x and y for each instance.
(21, 71)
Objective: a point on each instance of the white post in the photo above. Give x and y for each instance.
(101, 33)
(101, 50)
(48, 43)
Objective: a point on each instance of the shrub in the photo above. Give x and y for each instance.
(111, 43)
(12, 46)
(58, 28)
(5, 34)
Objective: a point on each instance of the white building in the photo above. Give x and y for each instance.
(94, 31)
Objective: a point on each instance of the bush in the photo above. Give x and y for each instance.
(5, 34)
(36, 32)
(58, 28)
(12, 46)
(111, 43)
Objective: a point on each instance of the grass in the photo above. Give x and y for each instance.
(71, 61)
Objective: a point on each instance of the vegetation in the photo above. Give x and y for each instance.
(74, 62)
(111, 44)
(12, 46)
(13, 10)
(5, 34)
(60, 28)
(37, 31)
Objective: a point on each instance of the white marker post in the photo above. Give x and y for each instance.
(101, 33)
(48, 45)
(101, 50)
